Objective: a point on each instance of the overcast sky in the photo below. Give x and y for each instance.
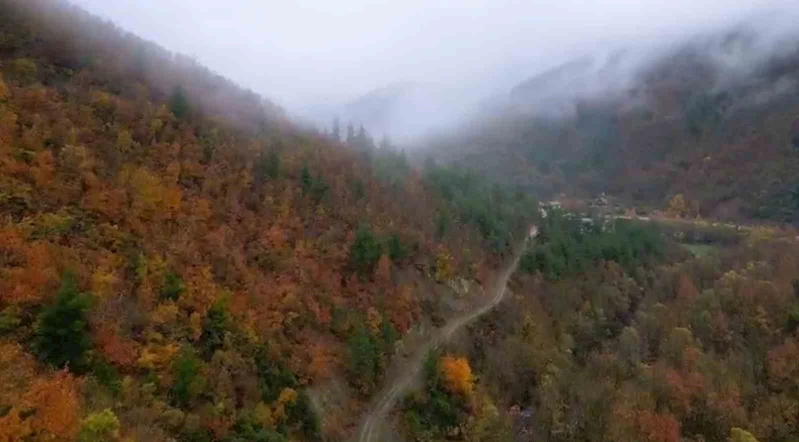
(296, 51)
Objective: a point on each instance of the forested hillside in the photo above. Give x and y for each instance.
(178, 262)
(615, 334)
(723, 135)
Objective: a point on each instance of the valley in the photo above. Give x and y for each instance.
(607, 251)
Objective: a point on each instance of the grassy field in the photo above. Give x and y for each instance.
(700, 249)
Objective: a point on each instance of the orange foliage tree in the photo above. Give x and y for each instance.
(457, 375)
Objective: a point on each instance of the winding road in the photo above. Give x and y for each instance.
(373, 424)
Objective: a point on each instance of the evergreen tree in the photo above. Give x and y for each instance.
(215, 325)
(364, 353)
(385, 143)
(351, 135)
(336, 131)
(189, 383)
(173, 286)
(306, 181)
(363, 141)
(62, 335)
(365, 252)
(178, 103)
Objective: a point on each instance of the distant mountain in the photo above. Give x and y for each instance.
(404, 111)
(712, 117)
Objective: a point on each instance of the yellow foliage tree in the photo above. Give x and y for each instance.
(677, 206)
(3, 88)
(374, 319)
(56, 411)
(457, 375)
(739, 435)
(445, 266)
(680, 207)
(287, 398)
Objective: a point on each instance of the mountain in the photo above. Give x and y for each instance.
(404, 111)
(711, 118)
(179, 261)
(625, 328)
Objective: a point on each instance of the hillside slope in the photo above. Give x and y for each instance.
(713, 118)
(177, 261)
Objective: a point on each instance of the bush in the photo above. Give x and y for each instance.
(62, 332)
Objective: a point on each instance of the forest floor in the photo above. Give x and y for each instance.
(405, 370)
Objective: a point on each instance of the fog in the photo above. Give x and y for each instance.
(318, 57)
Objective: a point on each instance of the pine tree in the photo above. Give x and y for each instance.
(365, 252)
(336, 131)
(178, 103)
(62, 335)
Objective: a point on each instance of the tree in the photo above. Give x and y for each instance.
(679, 339)
(62, 333)
(101, 426)
(457, 375)
(173, 286)
(189, 382)
(178, 103)
(3, 90)
(396, 250)
(336, 130)
(365, 252)
(385, 143)
(215, 325)
(630, 346)
(739, 435)
(267, 167)
(445, 267)
(364, 354)
(680, 207)
(306, 181)
(24, 70)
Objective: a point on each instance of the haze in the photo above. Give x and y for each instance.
(306, 53)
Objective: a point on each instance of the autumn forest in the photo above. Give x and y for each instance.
(179, 261)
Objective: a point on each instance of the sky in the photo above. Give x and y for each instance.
(296, 52)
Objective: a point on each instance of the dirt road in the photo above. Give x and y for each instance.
(373, 426)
